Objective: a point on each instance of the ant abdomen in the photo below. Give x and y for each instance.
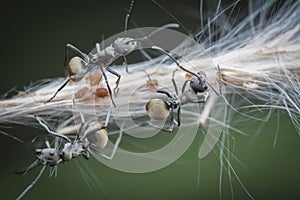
(99, 138)
(157, 109)
(76, 66)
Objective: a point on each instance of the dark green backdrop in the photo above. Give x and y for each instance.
(33, 38)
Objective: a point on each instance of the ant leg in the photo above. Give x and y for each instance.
(172, 121)
(76, 50)
(164, 92)
(86, 154)
(58, 90)
(81, 127)
(47, 143)
(151, 81)
(43, 124)
(203, 97)
(161, 91)
(171, 126)
(30, 167)
(157, 127)
(174, 83)
(178, 116)
(117, 75)
(116, 145)
(33, 182)
(107, 118)
(125, 64)
(111, 71)
(108, 87)
(184, 85)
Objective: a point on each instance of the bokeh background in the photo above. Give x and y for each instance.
(33, 38)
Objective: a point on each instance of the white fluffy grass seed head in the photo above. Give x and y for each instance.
(258, 58)
(259, 64)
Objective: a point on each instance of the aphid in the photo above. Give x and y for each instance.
(101, 92)
(161, 109)
(91, 138)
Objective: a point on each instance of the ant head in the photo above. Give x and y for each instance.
(99, 138)
(76, 66)
(50, 155)
(199, 84)
(157, 109)
(125, 45)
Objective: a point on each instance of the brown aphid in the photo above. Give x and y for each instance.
(101, 92)
(82, 93)
(222, 77)
(94, 78)
(189, 75)
(150, 85)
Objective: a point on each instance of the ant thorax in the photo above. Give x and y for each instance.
(172, 102)
(72, 150)
(125, 45)
(120, 47)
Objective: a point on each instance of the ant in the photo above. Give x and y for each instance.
(91, 138)
(78, 67)
(161, 109)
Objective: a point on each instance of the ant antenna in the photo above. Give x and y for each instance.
(150, 79)
(11, 136)
(33, 182)
(171, 15)
(131, 5)
(170, 25)
(174, 60)
(157, 90)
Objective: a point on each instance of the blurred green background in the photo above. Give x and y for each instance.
(33, 39)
